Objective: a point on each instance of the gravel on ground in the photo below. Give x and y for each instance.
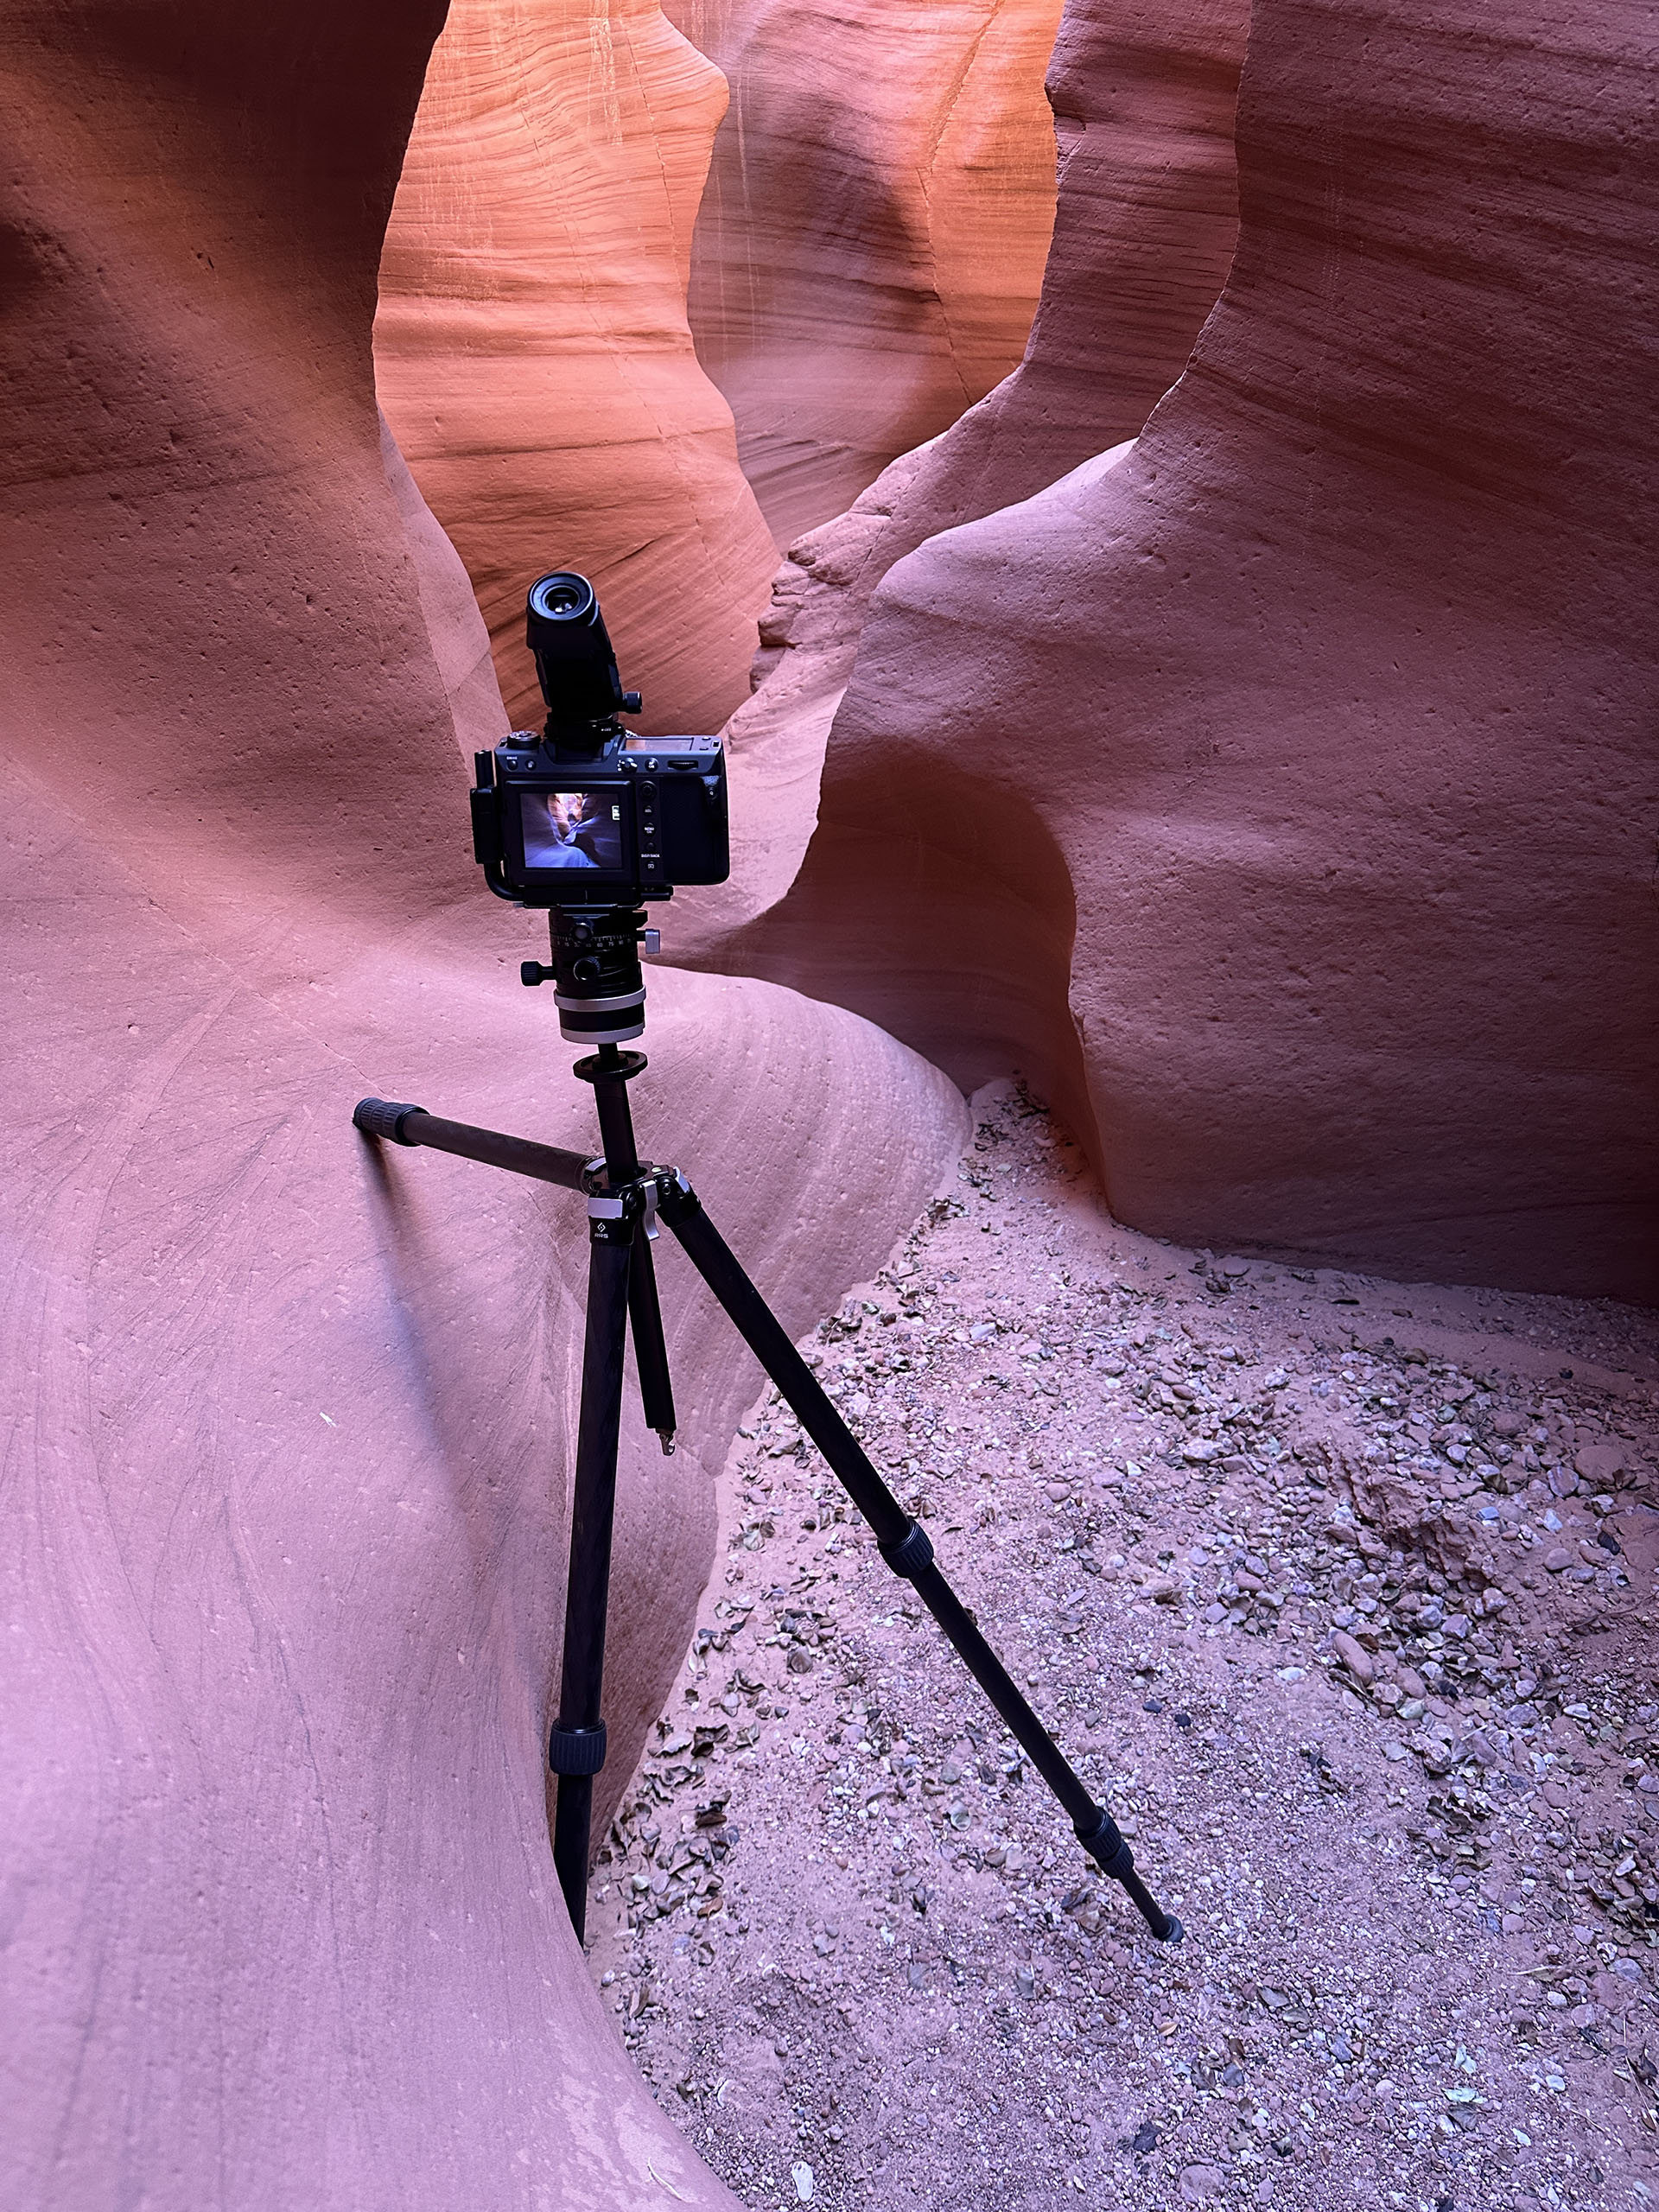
(1339, 1591)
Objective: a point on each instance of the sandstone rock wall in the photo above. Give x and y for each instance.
(1282, 797)
(284, 1447)
(872, 238)
(532, 350)
(1147, 223)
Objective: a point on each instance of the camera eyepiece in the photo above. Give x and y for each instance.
(562, 597)
(575, 665)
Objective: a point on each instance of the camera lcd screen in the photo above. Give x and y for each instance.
(575, 830)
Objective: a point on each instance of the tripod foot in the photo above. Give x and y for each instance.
(1105, 1842)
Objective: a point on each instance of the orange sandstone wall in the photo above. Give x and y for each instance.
(1148, 219)
(531, 347)
(1282, 796)
(872, 235)
(283, 1425)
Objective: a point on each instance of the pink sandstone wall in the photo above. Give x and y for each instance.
(1283, 797)
(283, 1442)
(871, 240)
(532, 350)
(1148, 220)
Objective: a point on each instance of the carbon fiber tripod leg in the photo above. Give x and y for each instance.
(576, 1748)
(904, 1544)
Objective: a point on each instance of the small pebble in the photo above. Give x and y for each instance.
(1199, 2183)
(1353, 1656)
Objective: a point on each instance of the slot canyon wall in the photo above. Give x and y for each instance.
(1272, 780)
(1148, 219)
(532, 350)
(1280, 793)
(284, 1452)
(871, 240)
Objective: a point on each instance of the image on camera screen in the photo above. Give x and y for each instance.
(573, 830)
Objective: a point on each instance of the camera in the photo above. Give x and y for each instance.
(587, 815)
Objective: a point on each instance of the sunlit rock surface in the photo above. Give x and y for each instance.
(872, 238)
(532, 350)
(286, 1432)
(1147, 223)
(1281, 797)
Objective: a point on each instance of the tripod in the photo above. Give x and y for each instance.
(601, 995)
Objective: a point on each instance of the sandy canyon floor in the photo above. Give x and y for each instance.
(1341, 1594)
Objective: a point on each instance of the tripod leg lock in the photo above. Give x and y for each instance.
(576, 1750)
(1106, 1845)
(911, 1554)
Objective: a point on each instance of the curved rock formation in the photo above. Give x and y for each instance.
(1146, 222)
(532, 350)
(284, 1448)
(1305, 757)
(872, 238)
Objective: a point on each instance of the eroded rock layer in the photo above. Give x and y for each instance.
(285, 1451)
(1281, 798)
(1147, 223)
(532, 350)
(872, 238)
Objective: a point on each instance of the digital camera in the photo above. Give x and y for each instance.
(585, 814)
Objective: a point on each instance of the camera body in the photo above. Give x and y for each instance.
(584, 815)
(621, 826)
